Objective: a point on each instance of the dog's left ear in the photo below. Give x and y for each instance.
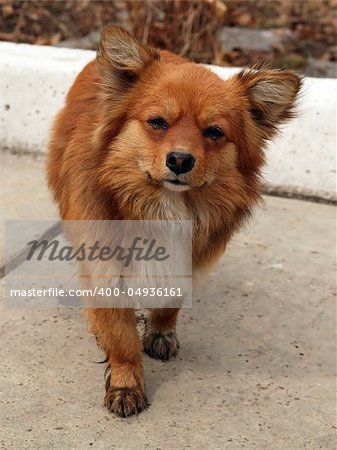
(121, 58)
(272, 97)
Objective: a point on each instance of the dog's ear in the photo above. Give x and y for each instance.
(272, 97)
(121, 58)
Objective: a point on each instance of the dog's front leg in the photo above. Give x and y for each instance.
(117, 335)
(160, 340)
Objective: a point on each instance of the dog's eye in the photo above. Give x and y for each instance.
(213, 133)
(158, 123)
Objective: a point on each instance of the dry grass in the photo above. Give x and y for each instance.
(190, 28)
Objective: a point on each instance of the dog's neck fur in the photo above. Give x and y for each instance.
(214, 222)
(173, 207)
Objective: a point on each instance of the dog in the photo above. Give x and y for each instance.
(146, 135)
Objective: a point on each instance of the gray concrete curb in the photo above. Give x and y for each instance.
(35, 79)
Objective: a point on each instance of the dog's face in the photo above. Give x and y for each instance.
(181, 127)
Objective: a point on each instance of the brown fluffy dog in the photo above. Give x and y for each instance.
(145, 134)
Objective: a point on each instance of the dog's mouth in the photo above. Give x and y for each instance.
(176, 185)
(173, 185)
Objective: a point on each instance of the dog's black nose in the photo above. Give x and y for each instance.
(179, 162)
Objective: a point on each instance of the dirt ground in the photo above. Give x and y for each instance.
(300, 33)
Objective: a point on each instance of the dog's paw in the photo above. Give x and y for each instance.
(161, 345)
(125, 402)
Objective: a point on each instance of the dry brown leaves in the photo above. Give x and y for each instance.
(190, 28)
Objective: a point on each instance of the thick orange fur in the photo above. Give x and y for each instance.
(107, 162)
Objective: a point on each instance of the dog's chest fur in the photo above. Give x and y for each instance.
(173, 207)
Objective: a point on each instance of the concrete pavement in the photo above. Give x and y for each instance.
(256, 368)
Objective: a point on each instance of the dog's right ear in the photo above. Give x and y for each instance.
(121, 58)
